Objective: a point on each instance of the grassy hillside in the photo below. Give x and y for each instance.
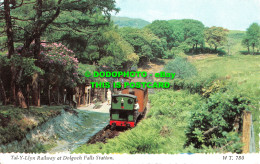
(235, 38)
(129, 22)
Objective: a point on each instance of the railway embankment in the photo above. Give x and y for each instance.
(59, 131)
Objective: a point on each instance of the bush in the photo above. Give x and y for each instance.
(213, 122)
(195, 85)
(181, 67)
(169, 55)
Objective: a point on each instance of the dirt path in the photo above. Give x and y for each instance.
(153, 67)
(102, 108)
(200, 57)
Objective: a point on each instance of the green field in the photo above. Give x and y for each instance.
(241, 69)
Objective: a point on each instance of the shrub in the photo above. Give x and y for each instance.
(212, 122)
(195, 85)
(181, 67)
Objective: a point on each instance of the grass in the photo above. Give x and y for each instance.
(16, 122)
(161, 132)
(241, 70)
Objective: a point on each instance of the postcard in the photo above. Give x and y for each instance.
(129, 81)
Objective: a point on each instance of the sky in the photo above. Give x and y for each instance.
(230, 14)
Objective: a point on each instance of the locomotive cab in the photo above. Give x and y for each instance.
(127, 106)
(123, 111)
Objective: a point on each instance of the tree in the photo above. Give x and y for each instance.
(187, 33)
(216, 36)
(105, 47)
(230, 43)
(6, 7)
(252, 37)
(27, 21)
(193, 33)
(178, 32)
(117, 52)
(163, 30)
(246, 43)
(146, 45)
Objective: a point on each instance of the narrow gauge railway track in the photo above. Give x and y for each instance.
(108, 133)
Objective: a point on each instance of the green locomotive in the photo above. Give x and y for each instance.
(126, 108)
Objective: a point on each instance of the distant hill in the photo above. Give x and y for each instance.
(235, 34)
(129, 22)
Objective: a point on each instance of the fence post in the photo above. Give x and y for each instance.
(246, 131)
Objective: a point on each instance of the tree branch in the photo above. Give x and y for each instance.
(53, 17)
(14, 7)
(211, 130)
(16, 18)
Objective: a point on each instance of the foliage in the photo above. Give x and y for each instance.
(24, 66)
(145, 43)
(212, 121)
(104, 48)
(59, 64)
(216, 36)
(56, 19)
(68, 16)
(188, 33)
(193, 32)
(118, 52)
(201, 85)
(181, 67)
(252, 38)
(163, 30)
(82, 69)
(241, 71)
(178, 32)
(215, 87)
